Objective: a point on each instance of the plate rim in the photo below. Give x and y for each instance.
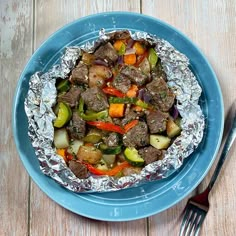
(109, 14)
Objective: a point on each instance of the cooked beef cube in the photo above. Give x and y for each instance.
(134, 74)
(137, 136)
(131, 115)
(161, 96)
(95, 99)
(106, 52)
(71, 97)
(79, 74)
(112, 140)
(131, 170)
(122, 35)
(156, 121)
(121, 83)
(79, 169)
(116, 121)
(77, 128)
(150, 154)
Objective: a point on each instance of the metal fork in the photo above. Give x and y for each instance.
(198, 206)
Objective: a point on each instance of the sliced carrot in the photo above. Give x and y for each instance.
(130, 125)
(132, 92)
(130, 59)
(117, 45)
(116, 110)
(139, 48)
(62, 152)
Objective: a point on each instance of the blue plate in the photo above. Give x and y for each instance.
(148, 199)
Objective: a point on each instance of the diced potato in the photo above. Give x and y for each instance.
(159, 141)
(61, 138)
(89, 154)
(109, 159)
(74, 146)
(172, 128)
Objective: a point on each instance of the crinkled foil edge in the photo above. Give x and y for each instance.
(42, 96)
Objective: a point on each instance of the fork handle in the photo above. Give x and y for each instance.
(228, 144)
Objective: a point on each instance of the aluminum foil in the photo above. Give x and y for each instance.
(42, 96)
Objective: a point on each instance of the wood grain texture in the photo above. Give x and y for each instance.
(24, 25)
(58, 221)
(15, 48)
(211, 25)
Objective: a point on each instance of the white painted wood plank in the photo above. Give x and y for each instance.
(211, 25)
(48, 218)
(15, 48)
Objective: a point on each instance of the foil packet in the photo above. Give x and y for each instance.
(42, 97)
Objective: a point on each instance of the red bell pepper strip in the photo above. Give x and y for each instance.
(113, 91)
(107, 126)
(111, 172)
(130, 125)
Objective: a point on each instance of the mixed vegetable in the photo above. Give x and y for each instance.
(115, 112)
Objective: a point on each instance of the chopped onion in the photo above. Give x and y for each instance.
(144, 95)
(130, 43)
(130, 51)
(120, 60)
(174, 112)
(100, 62)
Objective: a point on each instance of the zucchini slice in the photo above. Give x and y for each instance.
(132, 156)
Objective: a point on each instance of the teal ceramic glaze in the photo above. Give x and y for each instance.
(148, 199)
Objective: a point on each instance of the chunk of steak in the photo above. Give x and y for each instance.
(122, 83)
(137, 136)
(161, 96)
(79, 169)
(131, 115)
(150, 154)
(112, 140)
(156, 121)
(122, 35)
(79, 74)
(95, 99)
(77, 127)
(134, 74)
(71, 97)
(106, 52)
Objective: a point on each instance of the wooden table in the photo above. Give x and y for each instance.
(24, 25)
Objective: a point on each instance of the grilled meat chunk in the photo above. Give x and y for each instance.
(156, 121)
(77, 128)
(95, 99)
(71, 97)
(150, 154)
(137, 136)
(106, 52)
(79, 74)
(161, 96)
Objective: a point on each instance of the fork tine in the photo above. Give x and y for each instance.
(191, 221)
(186, 220)
(195, 223)
(199, 224)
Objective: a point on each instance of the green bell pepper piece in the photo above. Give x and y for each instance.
(92, 116)
(63, 116)
(152, 57)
